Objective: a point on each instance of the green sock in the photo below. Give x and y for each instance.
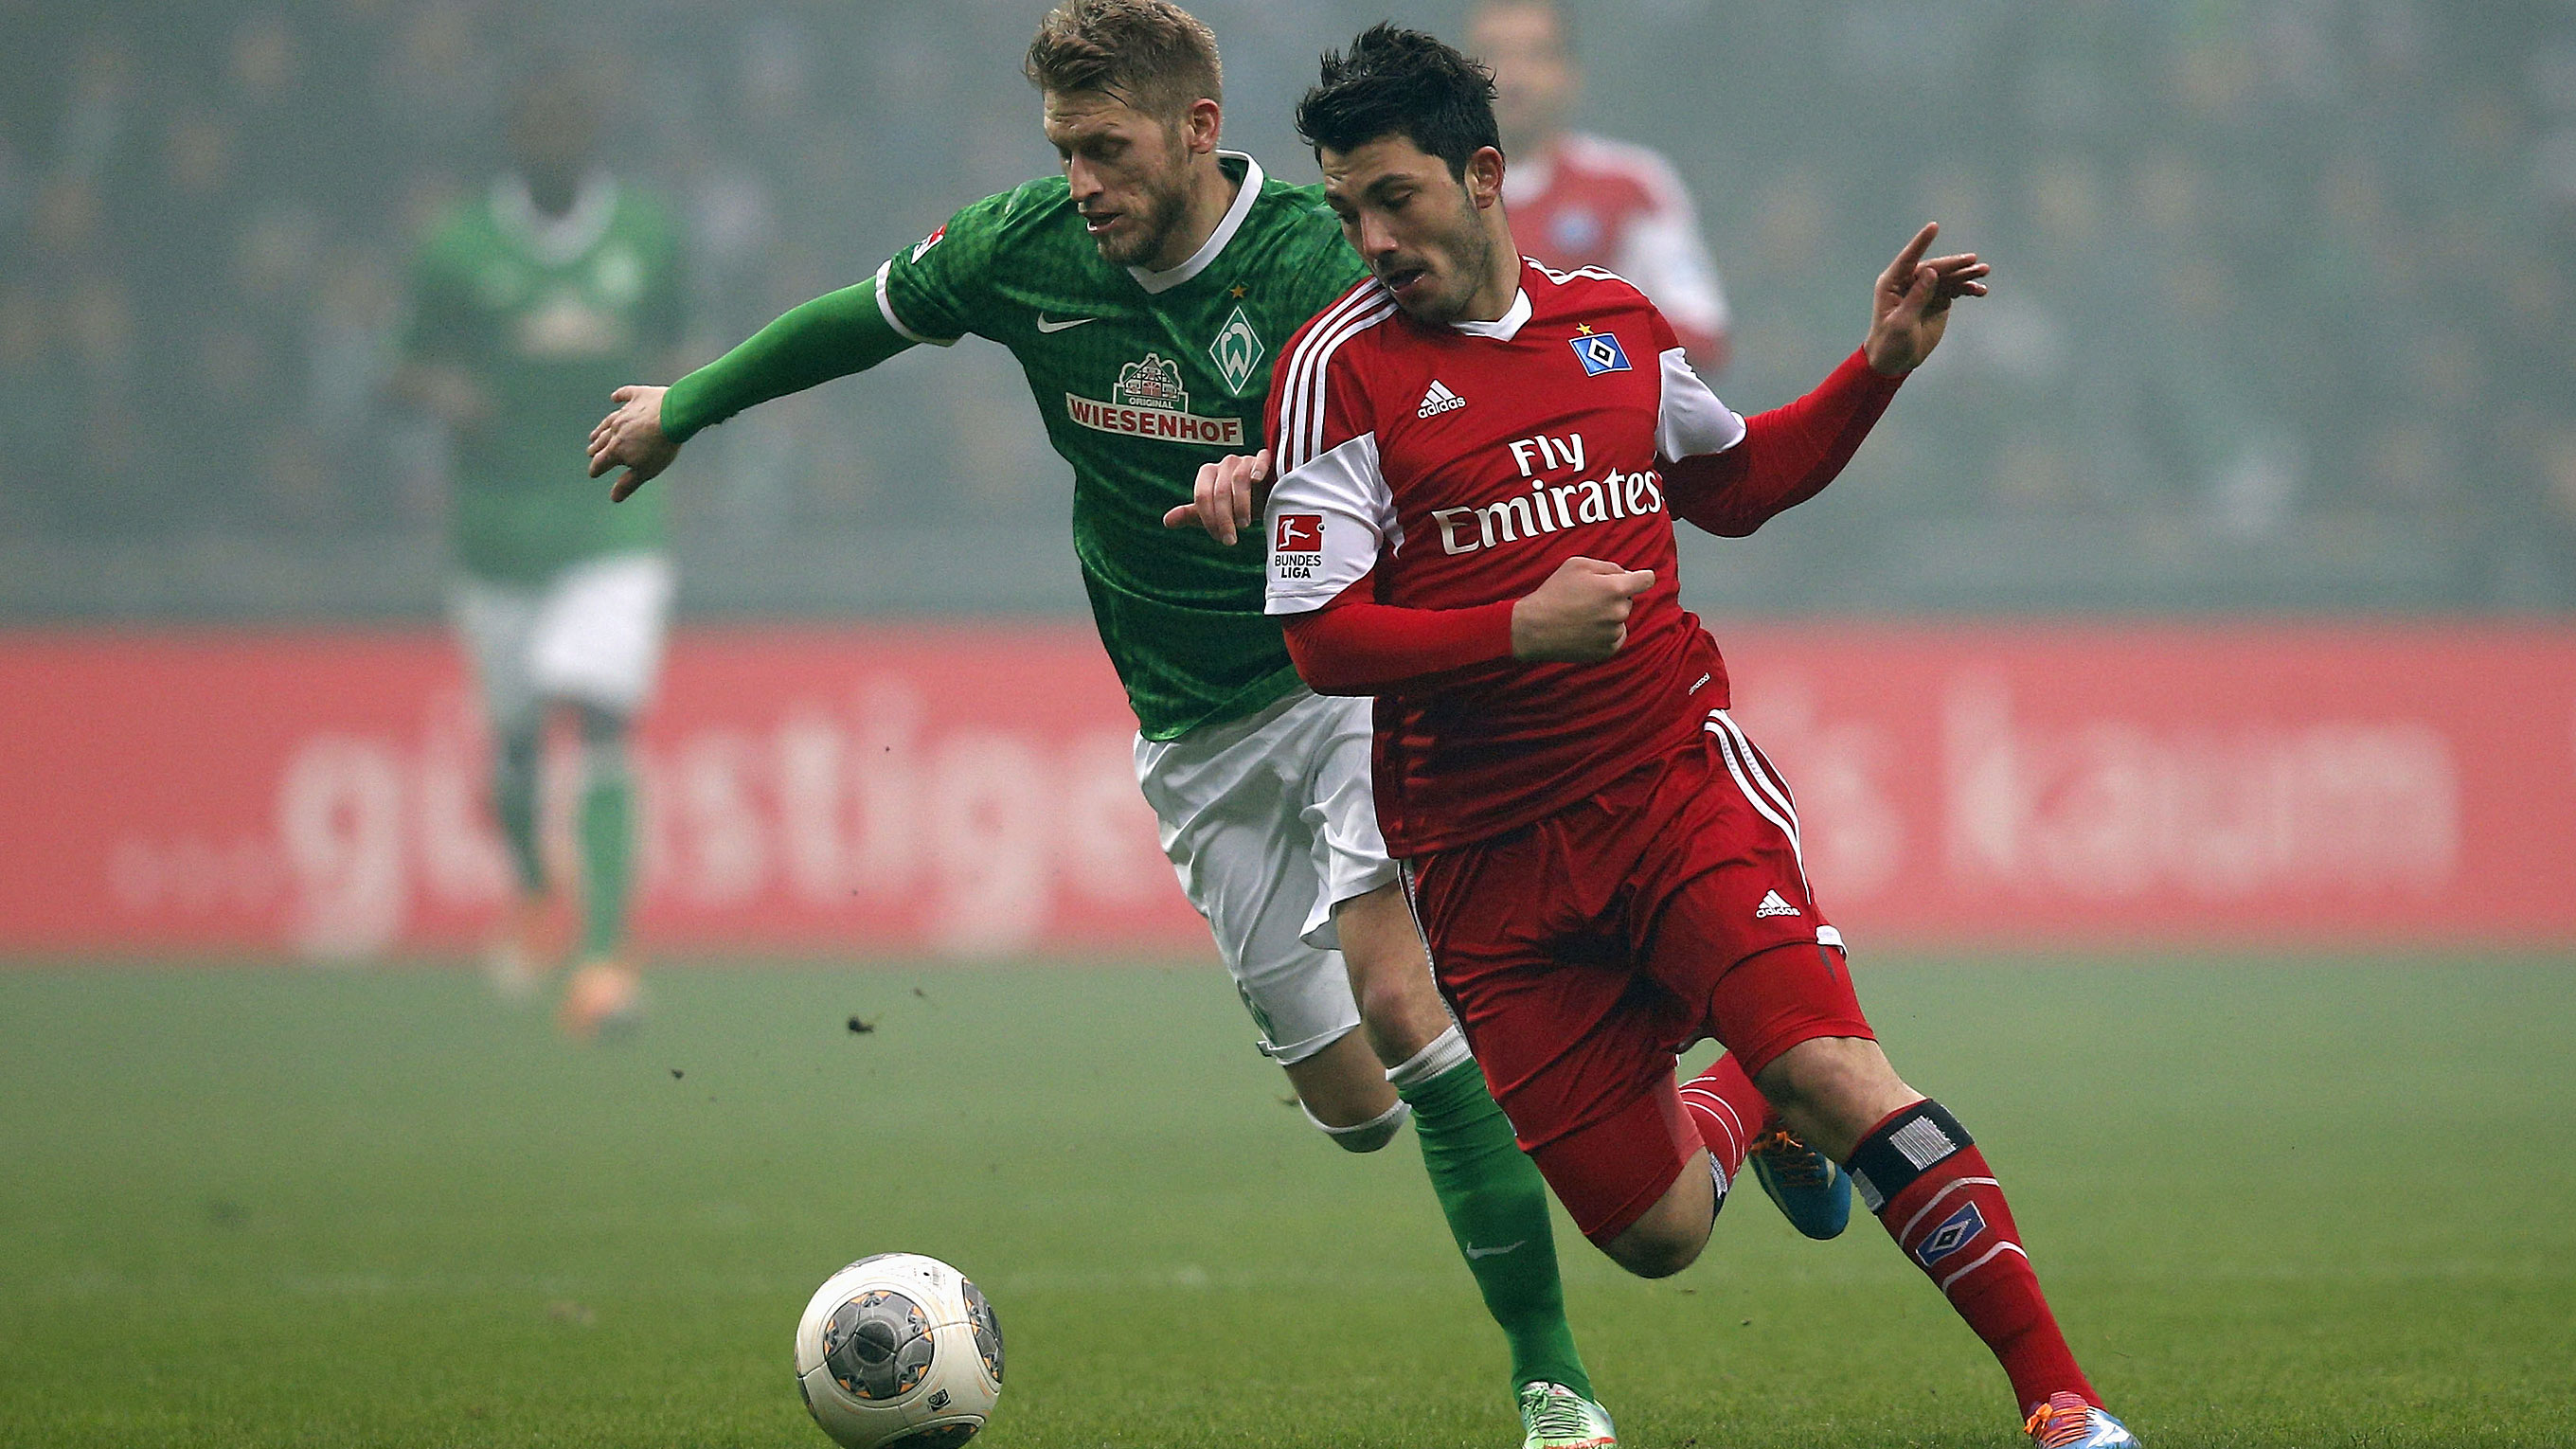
(607, 849)
(1496, 1203)
(514, 800)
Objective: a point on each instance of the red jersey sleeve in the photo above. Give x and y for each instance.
(1330, 512)
(1356, 645)
(1786, 456)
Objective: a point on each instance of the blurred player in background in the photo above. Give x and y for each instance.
(1580, 200)
(530, 302)
(1144, 293)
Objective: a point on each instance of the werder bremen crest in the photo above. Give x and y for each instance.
(1236, 351)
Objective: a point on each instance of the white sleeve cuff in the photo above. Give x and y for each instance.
(885, 309)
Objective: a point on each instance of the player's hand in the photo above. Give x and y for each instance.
(632, 436)
(1911, 306)
(1580, 614)
(1224, 501)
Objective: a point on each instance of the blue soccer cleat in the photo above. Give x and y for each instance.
(1810, 1191)
(2067, 1422)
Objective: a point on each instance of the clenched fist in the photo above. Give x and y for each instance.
(1580, 614)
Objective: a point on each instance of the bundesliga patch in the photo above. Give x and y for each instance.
(1600, 352)
(1956, 1231)
(926, 243)
(1297, 546)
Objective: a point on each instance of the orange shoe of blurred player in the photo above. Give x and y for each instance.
(604, 998)
(530, 946)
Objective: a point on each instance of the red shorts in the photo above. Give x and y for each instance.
(1585, 952)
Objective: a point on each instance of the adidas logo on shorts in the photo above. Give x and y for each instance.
(1439, 400)
(1772, 905)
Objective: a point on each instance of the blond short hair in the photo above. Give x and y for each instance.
(1151, 54)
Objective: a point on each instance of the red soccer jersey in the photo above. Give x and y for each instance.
(1459, 466)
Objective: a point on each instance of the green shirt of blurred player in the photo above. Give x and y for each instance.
(530, 304)
(1145, 292)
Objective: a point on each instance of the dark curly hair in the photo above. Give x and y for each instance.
(1394, 82)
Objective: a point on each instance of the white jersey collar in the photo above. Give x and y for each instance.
(1505, 327)
(1244, 196)
(555, 240)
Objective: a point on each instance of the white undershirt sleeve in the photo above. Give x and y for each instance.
(1692, 420)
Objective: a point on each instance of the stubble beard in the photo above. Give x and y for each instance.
(1167, 205)
(1470, 254)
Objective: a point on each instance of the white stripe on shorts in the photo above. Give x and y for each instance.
(1759, 799)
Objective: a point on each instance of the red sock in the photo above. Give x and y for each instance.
(1728, 1111)
(1930, 1186)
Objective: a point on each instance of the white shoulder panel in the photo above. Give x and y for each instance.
(1327, 524)
(1693, 421)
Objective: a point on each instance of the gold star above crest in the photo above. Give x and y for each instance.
(1583, 327)
(1239, 291)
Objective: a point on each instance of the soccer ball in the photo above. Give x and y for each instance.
(899, 1349)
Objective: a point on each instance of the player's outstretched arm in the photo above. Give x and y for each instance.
(1227, 494)
(1788, 454)
(1910, 305)
(831, 336)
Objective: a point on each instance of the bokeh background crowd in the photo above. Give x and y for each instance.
(2286, 289)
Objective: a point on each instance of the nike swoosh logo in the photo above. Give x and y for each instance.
(1047, 325)
(1474, 1253)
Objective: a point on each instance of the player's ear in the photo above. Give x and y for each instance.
(1201, 124)
(1484, 178)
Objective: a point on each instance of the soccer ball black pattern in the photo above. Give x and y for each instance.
(878, 1345)
(988, 1329)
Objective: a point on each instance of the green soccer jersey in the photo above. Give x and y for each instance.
(548, 316)
(1141, 377)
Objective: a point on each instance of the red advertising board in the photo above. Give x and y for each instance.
(968, 791)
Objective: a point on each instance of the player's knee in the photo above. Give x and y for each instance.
(1819, 1074)
(1403, 1013)
(1652, 1249)
(1832, 1089)
(1668, 1237)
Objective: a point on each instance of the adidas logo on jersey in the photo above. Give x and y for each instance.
(1439, 400)
(1772, 905)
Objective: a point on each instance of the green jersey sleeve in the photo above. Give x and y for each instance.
(940, 288)
(832, 336)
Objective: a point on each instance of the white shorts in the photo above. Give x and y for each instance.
(592, 634)
(1270, 823)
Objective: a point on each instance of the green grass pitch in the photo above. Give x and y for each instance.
(2276, 1203)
